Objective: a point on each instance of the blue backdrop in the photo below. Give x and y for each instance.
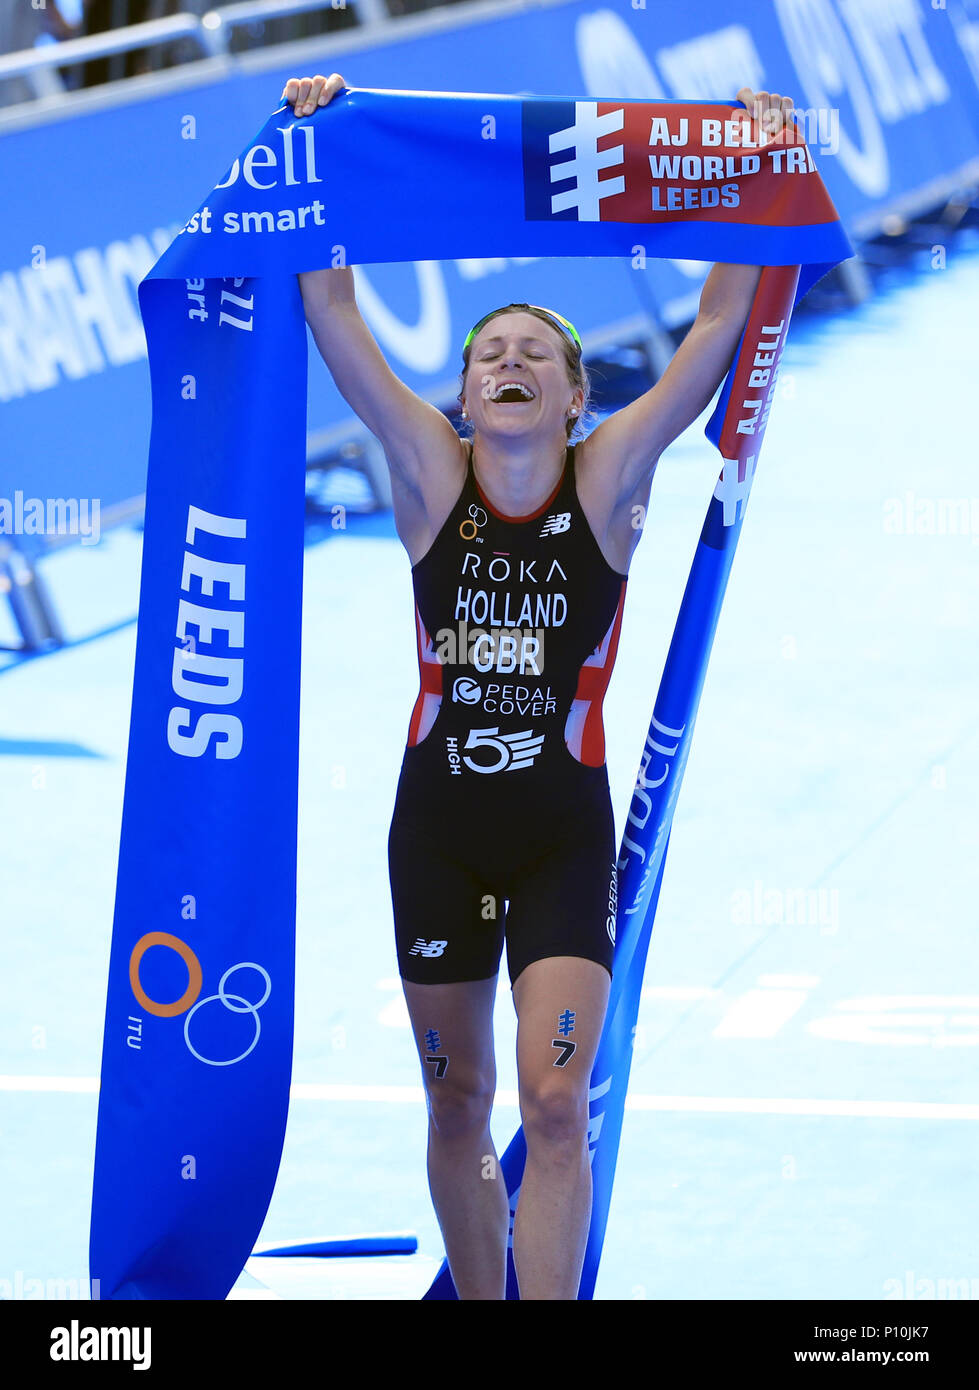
(90, 201)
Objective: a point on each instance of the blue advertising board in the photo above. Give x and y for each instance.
(888, 97)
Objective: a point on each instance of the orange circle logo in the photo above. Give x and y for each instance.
(195, 975)
(467, 535)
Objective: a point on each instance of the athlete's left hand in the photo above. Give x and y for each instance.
(770, 110)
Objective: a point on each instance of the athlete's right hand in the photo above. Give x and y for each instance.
(304, 94)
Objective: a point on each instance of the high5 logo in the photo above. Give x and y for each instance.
(507, 751)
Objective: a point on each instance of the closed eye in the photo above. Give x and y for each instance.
(489, 356)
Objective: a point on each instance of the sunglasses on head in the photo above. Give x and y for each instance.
(560, 322)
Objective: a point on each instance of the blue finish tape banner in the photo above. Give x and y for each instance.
(198, 1032)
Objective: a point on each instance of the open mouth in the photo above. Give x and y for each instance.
(512, 393)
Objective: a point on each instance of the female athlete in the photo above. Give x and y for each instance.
(520, 544)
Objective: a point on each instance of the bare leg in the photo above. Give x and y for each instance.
(560, 1000)
(453, 1028)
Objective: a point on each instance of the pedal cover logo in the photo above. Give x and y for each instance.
(466, 691)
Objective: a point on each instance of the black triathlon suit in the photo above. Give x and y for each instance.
(502, 824)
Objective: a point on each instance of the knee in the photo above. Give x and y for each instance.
(460, 1108)
(554, 1114)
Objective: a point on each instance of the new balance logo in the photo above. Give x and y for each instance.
(587, 160)
(556, 523)
(427, 948)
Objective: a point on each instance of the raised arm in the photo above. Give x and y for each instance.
(628, 444)
(619, 457)
(423, 451)
(409, 428)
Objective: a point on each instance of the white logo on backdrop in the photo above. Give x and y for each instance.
(585, 161)
(827, 68)
(423, 345)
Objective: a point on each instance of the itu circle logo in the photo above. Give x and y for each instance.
(190, 1002)
(195, 976)
(477, 518)
(223, 998)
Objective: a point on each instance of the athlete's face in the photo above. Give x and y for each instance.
(517, 382)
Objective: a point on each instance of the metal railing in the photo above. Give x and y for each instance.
(211, 31)
(229, 17)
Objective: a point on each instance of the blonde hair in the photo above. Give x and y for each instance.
(578, 375)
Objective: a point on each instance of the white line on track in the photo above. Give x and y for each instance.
(709, 1105)
(761, 1013)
